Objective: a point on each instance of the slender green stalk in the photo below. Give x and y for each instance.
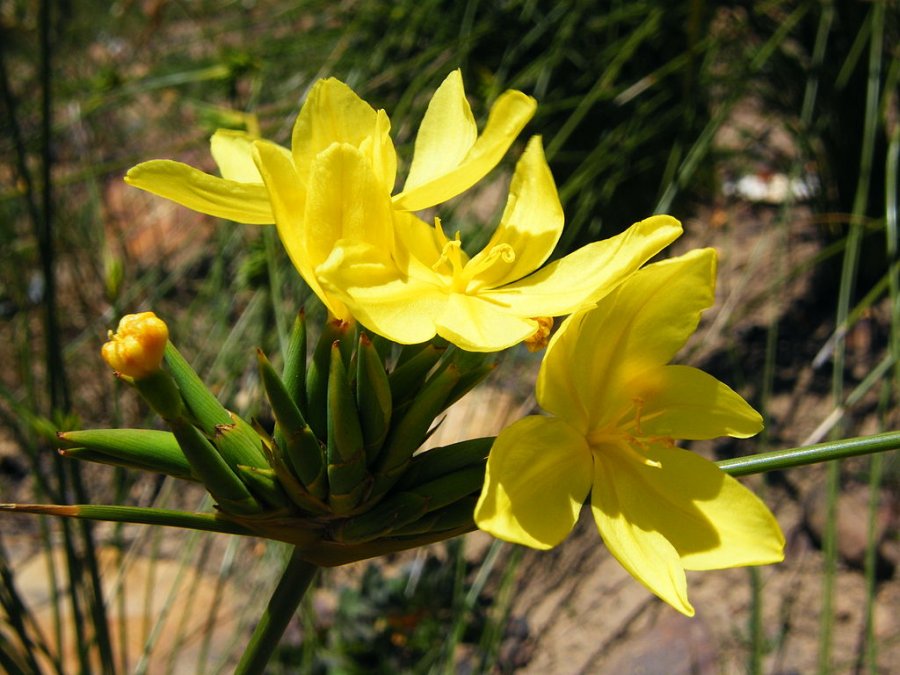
(282, 328)
(492, 635)
(780, 460)
(757, 636)
(869, 654)
(225, 573)
(829, 552)
(175, 591)
(188, 606)
(17, 614)
(463, 614)
(874, 22)
(296, 579)
(150, 584)
(134, 514)
(54, 585)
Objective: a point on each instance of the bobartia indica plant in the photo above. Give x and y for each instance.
(414, 323)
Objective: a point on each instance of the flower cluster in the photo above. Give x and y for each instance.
(339, 473)
(367, 255)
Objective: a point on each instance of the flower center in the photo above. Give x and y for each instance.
(630, 446)
(461, 270)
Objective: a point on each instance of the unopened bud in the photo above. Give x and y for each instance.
(136, 348)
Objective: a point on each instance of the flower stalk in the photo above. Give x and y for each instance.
(295, 581)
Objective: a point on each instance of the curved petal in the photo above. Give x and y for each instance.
(657, 309)
(531, 224)
(447, 133)
(564, 384)
(382, 153)
(344, 200)
(712, 520)
(508, 116)
(233, 152)
(538, 476)
(241, 202)
(416, 241)
(333, 113)
(583, 277)
(637, 327)
(396, 306)
(684, 402)
(625, 513)
(477, 326)
(288, 196)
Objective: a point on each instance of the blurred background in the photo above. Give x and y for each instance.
(771, 128)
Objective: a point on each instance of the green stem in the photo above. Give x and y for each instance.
(780, 460)
(297, 577)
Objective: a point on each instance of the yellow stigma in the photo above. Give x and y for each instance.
(136, 348)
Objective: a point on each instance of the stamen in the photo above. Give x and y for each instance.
(486, 259)
(625, 443)
(638, 409)
(541, 336)
(450, 254)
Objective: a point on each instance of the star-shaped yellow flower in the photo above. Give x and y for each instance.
(616, 406)
(450, 155)
(428, 285)
(337, 179)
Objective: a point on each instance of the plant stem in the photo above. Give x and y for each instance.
(811, 454)
(297, 577)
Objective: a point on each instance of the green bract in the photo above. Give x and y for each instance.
(347, 488)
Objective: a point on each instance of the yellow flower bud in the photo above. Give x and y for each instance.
(136, 349)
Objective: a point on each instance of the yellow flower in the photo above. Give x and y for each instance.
(136, 349)
(616, 406)
(450, 156)
(494, 299)
(336, 180)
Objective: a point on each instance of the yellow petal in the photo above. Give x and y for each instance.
(583, 277)
(233, 152)
(333, 113)
(626, 514)
(565, 386)
(538, 476)
(447, 133)
(684, 402)
(475, 325)
(658, 309)
(637, 327)
(417, 242)
(436, 180)
(288, 197)
(382, 153)
(402, 308)
(531, 224)
(190, 187)
(712, 520)
(344, 200)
